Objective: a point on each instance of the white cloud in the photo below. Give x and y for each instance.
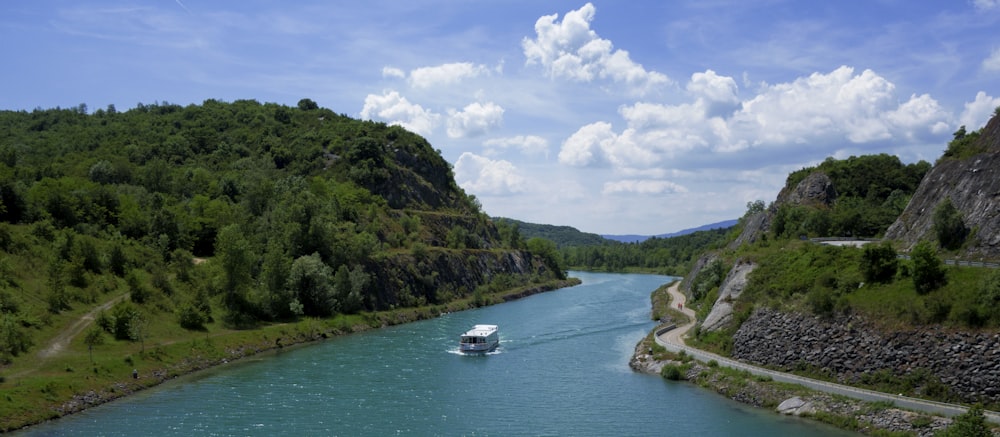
(978, 111)
(529, 145)
(638, 186)
(985, 5)
(919, 113)
(992, 62)
(838, 105)
(597, 144)
(821, 113)
(571, 50)
(585, 147)
(445, 74)
(393, 108)
(483, 176)
(474, 120)
(392, 72)
(713, 87)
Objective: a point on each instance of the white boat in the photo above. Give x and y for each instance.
(481, 338)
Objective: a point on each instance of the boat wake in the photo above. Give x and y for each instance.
(456, 351)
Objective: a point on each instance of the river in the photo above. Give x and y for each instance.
(561, 369)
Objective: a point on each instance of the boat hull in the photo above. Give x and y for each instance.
(478, 348)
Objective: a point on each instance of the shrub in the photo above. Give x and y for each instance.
(672, 372)
(879, 263)
(948, 226)
(928, 273)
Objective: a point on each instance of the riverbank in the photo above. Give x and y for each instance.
(763, 392)
(32, 400)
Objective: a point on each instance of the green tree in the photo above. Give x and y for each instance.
(13, 339)
(546, 250)
(928, 271)
(237, 261)
(311, 281)
(94, 337)
(879, 263)
(307, 105)
(754, 207)
(948, 226)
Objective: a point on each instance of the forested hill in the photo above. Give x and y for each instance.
(562, 236)
(235, 212)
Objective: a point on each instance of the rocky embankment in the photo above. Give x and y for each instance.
(788, 399)
(849, 348)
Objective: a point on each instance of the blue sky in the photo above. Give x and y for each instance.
(638, 117)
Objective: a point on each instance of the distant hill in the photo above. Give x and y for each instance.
(640, 238)
(563, 236)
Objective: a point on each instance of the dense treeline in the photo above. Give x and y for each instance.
(562, 236)
(672, 256)
(292, 205)
(871, 192)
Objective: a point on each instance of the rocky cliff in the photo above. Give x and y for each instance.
(973, 186)
(815, 190)
(730, 290)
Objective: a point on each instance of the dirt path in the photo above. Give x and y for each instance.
(676, 335)
(61, 341)
(674, 340)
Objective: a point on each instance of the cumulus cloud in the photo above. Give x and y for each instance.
(571, 50)
(484, 176)
(597, 144)
(821, 106)
(822, 112)
(527, 144)
(393, 108)
(979, 111)
(918, 113)
(585, 147)
(715, 88)
(445, 74)
(392, 72)
(640, 186)
(474, 120)
(992, 63)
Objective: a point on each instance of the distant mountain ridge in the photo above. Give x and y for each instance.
(568, 236)
(631, 238)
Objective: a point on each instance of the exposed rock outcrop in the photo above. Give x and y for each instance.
(438, 276)
(849, 348)
(731, 289)
(815, 190)
(972, 185)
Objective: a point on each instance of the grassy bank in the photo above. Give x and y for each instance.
(79, 377)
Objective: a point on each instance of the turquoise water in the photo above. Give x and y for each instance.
(561, 369)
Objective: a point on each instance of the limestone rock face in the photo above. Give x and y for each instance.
(730, 290)
(816, 189)
(972, 185)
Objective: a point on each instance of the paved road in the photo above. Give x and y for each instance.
(672, 338)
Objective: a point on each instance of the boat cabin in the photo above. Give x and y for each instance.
(481, 338)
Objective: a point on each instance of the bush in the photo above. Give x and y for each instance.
(928, 273)
(672, 372)
(948, 226)
(879, 263)
(972, 423)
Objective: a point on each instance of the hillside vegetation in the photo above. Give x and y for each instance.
(860, 197)
(169, 223)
